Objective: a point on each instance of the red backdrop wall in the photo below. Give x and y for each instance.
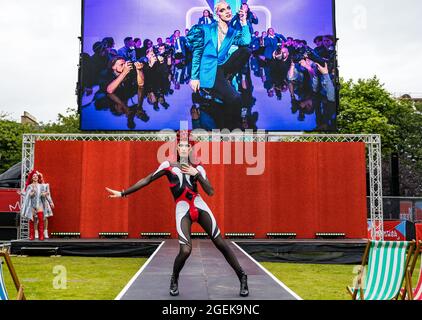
(306, 188)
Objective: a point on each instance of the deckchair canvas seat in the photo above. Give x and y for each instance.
(387, 267)
(416, 294)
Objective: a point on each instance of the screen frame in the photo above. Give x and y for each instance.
(80, 71)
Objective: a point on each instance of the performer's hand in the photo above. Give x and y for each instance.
(194, 84)
(305, 63)
(139, 66)
(153, 59)
(114, 193)
(322, 69)
(127, 67)
(189, 170)
(242, 16)
(195, 113)
(52, 205)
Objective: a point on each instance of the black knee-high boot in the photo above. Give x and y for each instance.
(179, 262)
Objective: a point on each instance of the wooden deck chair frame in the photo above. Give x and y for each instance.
(359, 282)
(411, 270)
(5, 255)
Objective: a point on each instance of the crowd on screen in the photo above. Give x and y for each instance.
(153, 70)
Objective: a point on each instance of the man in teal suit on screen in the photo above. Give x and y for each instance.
(219, 52)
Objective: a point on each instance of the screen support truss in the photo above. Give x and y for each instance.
(372, 142)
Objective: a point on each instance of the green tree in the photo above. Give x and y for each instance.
(367, 107)
(418, 106)
(66, 123)
(11, 141)
(361, 110)
(11, 133)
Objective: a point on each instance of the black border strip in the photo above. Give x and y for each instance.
(79, 92)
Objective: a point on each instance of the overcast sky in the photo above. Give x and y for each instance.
(40, 49)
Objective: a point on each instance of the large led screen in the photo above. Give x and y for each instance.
(258, 64)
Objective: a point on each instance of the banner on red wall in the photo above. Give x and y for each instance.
(9, 200)
(394, 230)
(406, 210)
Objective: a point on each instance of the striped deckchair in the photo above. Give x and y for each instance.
(3, 292)
(387, 267)
(417, 293)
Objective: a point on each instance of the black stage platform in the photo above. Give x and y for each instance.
(86, 247)
(206, 276)
(334, 251)
(340, 251)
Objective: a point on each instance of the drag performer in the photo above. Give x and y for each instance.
(184, 177)
(37, 204)
(220, 50)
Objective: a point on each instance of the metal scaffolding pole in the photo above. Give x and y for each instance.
(28, 151)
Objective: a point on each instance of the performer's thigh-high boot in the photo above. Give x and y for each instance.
(205, 220)
(179, 262)
(46, 228)
(40, 225)
(232, 260)
(31, 230)
(185, 250)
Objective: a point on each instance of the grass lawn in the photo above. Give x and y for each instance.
(87, 278)
(314, 281)
(319, 281)
(104, 278)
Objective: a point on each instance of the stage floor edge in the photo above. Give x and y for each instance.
(315, 251)
(205, 276)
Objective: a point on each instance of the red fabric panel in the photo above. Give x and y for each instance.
(104, 164)
(341, 176)
(418, 231)
(150, 209)
(247, 198)
(292, 167)
(306, 188)
(61, 164)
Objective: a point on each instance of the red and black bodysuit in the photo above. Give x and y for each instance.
(190, 207)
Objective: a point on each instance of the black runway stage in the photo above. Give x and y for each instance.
(206, 276)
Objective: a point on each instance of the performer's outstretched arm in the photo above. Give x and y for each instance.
(161, 171)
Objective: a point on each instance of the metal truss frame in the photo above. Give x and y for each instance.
(372, 142)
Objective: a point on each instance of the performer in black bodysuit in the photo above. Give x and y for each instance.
(183, 178)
